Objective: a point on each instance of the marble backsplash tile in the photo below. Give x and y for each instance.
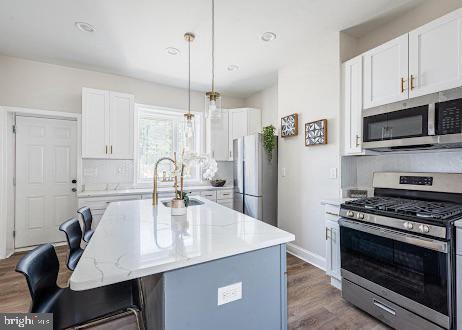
(358, 171)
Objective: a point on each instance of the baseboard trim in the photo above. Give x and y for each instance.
(305, 255)
(28, 248)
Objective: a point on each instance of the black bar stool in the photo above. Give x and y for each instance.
(70, 308)
(74, 237)
(87, 218)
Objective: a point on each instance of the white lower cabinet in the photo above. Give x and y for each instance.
(209, 194)
(98, 205)
(332, 235)
(225, 198)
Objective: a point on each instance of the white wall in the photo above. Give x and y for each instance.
(310, 88)
(37, 85)
(267, 101)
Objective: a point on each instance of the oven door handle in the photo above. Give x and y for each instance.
(424, 242)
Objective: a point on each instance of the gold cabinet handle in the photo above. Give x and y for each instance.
(357, 140)
(111, 149)
(402, 85)
(106, 150)
(412, 82)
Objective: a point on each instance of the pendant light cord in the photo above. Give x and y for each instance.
(189, 76)
(213, 45)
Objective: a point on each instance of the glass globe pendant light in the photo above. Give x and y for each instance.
(189, 125)
(213, 98)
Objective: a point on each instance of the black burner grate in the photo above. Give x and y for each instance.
(410, 207)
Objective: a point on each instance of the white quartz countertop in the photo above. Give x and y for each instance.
(123, 192)
(135, 239)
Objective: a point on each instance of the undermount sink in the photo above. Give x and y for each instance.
(192, 202)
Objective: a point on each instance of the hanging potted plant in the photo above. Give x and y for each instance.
(269, 142)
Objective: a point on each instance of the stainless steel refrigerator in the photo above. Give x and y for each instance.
(255, 179)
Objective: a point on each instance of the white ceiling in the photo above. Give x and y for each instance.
(131, 35)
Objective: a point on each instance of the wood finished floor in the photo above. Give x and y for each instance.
(312, 302)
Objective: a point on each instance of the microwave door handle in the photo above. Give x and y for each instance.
(423, 242)
(431, 119)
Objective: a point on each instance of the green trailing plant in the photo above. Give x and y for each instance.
(269, 142)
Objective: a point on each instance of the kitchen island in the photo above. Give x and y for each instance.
(213, 268)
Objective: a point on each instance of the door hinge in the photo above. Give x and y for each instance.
(14, 181)
(14, 233)
(14, 129)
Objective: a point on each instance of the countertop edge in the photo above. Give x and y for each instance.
(87, 285)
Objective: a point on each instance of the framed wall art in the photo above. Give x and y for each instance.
(316, 133)
(289, 125)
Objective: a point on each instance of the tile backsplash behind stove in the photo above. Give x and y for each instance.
(357, 171)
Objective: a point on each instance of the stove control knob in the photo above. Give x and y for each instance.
(350, 213)
(424, 228)
(408, 225)
(361, 216)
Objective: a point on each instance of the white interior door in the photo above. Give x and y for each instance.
(46, 165)
(386, 73)
(435, 61)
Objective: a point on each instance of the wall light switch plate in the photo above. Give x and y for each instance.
(229, 293)
(333, 173)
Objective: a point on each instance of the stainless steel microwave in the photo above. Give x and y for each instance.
(433, 125)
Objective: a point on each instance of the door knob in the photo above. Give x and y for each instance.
(74, 189)
(74, 181)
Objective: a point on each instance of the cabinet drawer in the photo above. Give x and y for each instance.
(224, 194)
(332, 209)
(209, 194)
(101, 203)
(226, 202)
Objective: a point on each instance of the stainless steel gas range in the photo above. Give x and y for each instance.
(397, 249)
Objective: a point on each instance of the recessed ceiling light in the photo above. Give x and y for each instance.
(268, 36)
(172, 51)
(233, 67)
(85, 27)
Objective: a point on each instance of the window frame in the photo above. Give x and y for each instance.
(158, 110)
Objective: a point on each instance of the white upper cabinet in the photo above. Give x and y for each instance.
(435, 55)
(95, 127)
(107, 124)
(242, 122)
(386, 73)
(121, 125)
(217, 137)
(352, 93)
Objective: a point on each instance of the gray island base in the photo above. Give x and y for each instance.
(187, 298)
